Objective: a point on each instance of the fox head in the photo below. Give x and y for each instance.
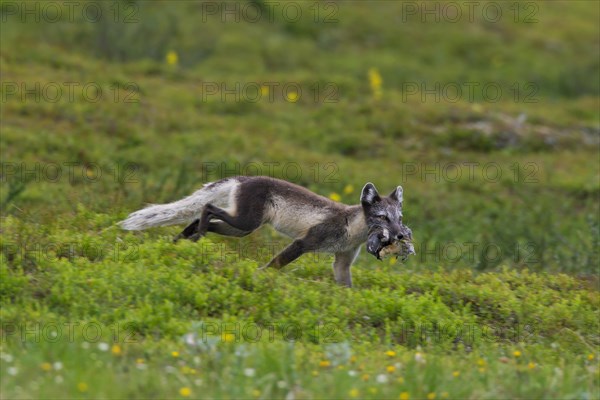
(384, 218)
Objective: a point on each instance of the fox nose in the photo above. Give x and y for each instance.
(399, 236)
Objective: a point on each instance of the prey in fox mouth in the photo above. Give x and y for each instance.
(382, 245)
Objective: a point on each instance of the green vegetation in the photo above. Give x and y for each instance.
(154, 99)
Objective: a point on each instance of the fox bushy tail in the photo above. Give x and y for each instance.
(182, 211)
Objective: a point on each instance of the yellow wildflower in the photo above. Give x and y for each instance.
(444, 395)
(390, 369)
(139, 361)
(264, 90)
(324, 363)
(315, 373)
(456, 374)
(590, 357)
(353, 393)
(348, 189)
(335, 197)
(404, 396)
(431, 396)
(477, 107)
(185, 391)
(116, 350)
(46, 366)
(390, 353)
(229, 338)
(375, 78)
(82, 387)
(531, 365)
(292, 97)
(365, 377)
(175, 353)
(375, 82)
(172, 58)
(256, 393)
(517, 353)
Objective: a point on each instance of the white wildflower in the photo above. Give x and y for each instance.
(419, 358)
(170, 369)
(190, 339)
(141, 366)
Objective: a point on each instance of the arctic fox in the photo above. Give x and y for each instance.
(239, 205)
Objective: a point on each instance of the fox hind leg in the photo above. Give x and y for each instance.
(229, 225)
(224, 229)
(188, 232)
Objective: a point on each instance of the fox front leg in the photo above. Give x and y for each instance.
(341, 266)
(287, 255)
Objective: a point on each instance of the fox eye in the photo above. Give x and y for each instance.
(383, 217)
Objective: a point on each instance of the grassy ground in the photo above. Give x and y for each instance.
(491, 126)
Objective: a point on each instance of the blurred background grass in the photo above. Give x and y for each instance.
(149, 124)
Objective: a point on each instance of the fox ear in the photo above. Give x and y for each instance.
(397, 194)
(369, 195)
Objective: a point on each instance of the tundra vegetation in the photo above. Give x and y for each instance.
(153, 99)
